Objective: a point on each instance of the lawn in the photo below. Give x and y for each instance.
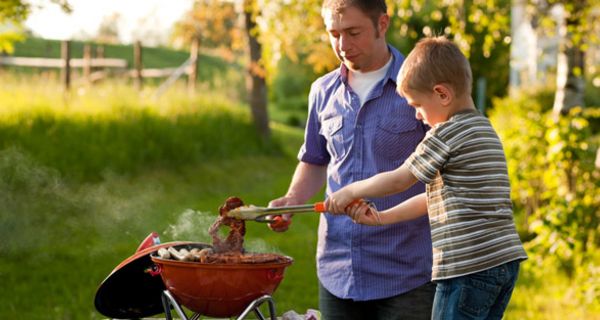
(85, 177)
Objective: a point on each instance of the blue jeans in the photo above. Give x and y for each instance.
(481, 295)
(412, 305)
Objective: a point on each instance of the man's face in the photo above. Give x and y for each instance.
(354, 38)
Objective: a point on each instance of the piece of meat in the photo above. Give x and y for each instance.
(228, 251)
(235, 239)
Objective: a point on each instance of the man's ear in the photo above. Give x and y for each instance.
(384, 23)
(444, 94)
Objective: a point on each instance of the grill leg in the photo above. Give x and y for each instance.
(168, 302)
(254, 307)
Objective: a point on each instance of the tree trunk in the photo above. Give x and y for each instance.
(570, 81)
(255, 78)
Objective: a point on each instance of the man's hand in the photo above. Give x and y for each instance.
(283, 221)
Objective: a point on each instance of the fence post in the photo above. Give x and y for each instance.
(87, 63)
(99, 55)
(137, 62)
(65, 53)
(193, 69)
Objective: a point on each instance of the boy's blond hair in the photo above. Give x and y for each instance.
(433, 61)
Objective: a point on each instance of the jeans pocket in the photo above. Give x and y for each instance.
(477, 297)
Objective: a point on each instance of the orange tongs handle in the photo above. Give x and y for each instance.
(320, 206)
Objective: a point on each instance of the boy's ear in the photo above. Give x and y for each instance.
(444, 94)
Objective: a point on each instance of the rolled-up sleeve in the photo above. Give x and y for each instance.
(314, 149)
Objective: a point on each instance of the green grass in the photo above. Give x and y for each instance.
(112, 128)
(61, 244)
(85, 177)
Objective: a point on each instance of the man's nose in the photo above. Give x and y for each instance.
(344, 43)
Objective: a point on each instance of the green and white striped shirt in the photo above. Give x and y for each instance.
(468, 196)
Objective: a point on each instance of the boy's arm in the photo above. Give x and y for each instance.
(410, 209)
(379, 185)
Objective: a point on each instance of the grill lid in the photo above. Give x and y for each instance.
(130, 291)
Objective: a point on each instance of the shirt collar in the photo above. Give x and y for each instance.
(392, 72)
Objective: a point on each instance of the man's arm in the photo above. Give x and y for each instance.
(308, 179)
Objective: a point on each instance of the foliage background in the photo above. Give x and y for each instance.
(85, 176)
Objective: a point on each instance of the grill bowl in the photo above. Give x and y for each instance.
(219, 289)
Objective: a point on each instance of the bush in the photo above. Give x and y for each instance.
(556, 187)
(289, 92)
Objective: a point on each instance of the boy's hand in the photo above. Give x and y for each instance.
(364, 213)
(337, 202)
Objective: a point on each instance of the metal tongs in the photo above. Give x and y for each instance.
(273, 215)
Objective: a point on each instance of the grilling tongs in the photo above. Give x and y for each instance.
(270, 215)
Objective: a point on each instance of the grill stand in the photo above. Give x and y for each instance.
(169, 301)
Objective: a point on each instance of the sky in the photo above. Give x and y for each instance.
(138, 18)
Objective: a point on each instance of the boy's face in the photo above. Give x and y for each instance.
(355, 39)
(428, 106)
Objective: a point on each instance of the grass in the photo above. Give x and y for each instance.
(85, 177)
(66, 242)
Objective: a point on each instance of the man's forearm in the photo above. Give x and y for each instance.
(308, 179)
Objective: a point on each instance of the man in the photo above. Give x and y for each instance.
(357, 127)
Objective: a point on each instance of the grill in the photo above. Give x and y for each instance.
(145, 285)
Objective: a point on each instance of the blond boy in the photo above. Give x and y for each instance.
(476, 249)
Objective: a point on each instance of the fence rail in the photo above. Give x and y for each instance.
(60, 63)
(87, 63)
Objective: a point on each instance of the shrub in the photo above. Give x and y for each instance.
(556, 187)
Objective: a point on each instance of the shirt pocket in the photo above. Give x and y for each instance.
(396, 138)
(331, 129)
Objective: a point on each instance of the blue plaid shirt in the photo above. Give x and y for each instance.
(355, 261)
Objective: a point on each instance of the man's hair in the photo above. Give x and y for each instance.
(372, 8)
(433, 61)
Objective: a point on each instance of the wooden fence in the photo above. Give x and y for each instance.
(94, 69)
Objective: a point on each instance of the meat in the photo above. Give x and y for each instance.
(234, 243)
(228, 251)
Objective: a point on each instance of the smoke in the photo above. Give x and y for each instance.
(192, 225)
(260, 246)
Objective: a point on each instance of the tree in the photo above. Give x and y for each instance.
(481, 28)
(108, 32)
(215, 24)
(256, 82)
(574, 25)
(575, 39)
(12, 15)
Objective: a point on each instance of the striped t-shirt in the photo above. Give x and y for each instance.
(468, 196)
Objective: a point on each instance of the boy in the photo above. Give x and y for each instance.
(476, 249)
